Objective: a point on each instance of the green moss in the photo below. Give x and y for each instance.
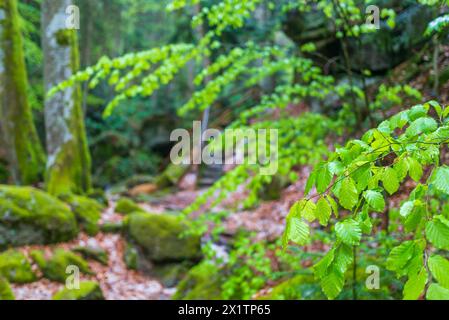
(55, 268)
(69, 173)
(87, 212)
(64, 37)
(30, 216)
(15, 267)
(170, 274)
(94, 253)
(131, 257)
(127, 206)
(202, 282)
(38, 257)
(161, 238)
(171, 175)
(5, 290)
(99, 196)
(26, 155)
(112, 227)
(297, 288)
(89, 290)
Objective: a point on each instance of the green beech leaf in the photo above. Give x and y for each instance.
(375, 200)
(323, 211)
(437, 232)
(348, 195)
(310, 183)
(415, 169)
(400, 256)
(333, 283)
(349, 232)
(421, 125)
(437, 292)
(333, 204)
(441, 179)
(323, 178)
(307, 210)
(407, 208)
(439, 267)
(415, 285)
(298, 231)
(390, 180)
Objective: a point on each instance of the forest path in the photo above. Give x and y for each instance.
(116, 281)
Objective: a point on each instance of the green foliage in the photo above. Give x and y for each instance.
(365, 169)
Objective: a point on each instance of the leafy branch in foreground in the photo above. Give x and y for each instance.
(355, 179)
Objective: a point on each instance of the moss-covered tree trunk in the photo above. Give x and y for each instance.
(68, 164)
(24, 152)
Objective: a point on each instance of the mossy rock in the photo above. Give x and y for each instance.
(300, 287)
(15, 267)
(171, 175)
(55, 268)
(5, 290)
(93, 253)
(127, 206)
(88, 290)
(160, 237)
(87, 212)
(30, 216)
(111, 227)
(131, 257)
(99, 196)
(170, 274)
(202, 282)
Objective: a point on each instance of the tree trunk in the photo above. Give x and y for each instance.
(69, 164)
(25, 156)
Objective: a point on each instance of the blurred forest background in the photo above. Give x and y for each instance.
(356, 89)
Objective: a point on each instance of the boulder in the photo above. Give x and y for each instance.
(163, 237)
(87, 212)
(5, 290)
(170, 274)
(99, 196)
(127, 206)
(171, 175)
(378, 51)
(30, 216)
(131, 257)
(112, 227)
(15, 267)
(88, 290)
(55, 268)
(93, 253)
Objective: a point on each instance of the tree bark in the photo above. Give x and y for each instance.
(24, 152)
(69, 163)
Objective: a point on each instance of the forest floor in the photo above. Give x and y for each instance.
(119, 283)
(116, 281)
